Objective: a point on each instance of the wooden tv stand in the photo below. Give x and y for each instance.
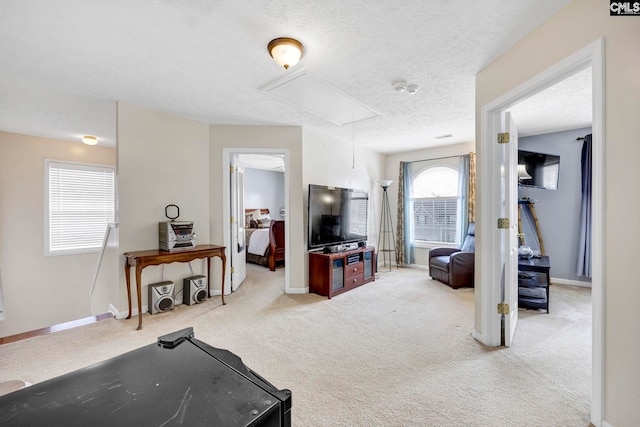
(334, 273)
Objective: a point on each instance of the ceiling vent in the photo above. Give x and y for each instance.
(319, 97)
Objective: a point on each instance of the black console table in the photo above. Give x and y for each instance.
(533, 283)
(177, 381)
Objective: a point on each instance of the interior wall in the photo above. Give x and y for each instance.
(162, 160)
(272, 137)
(264, 189)
(558, 211)
(574, 27)
(329, 161)
(392, 171)
(40, 291)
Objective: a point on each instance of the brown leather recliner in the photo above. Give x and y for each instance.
(452, 266)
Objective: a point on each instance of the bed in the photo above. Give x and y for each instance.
(264, 238)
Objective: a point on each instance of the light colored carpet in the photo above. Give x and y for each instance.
(395, 352)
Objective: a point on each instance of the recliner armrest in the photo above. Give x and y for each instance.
(461, 269)
(464, 256)
(462, 261)
(434, 252)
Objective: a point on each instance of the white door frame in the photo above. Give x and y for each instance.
(227, 153)
(488, 178)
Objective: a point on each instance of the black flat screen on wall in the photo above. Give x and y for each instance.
(538, 170)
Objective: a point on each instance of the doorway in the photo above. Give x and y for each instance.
(234, 205)
(489, 294)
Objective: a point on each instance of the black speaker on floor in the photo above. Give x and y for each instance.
(194, 290)
(161, 297)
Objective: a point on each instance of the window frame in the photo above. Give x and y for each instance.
(63, 164)
(434, 243)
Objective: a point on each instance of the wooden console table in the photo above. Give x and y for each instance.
(142, 259)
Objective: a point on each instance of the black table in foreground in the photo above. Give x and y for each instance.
(533, 283)
(178, 381)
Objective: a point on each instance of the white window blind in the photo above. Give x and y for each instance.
(81, 204)
(434, 204)
(435, 219)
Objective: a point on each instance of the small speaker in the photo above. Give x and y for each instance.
(161, 297)
(194, 290)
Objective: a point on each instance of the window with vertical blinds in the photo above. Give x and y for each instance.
(80, 205)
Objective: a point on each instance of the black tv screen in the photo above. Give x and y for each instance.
(336, 216)
(538, 170)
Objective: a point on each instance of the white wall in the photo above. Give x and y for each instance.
(264, 189)
(271, 137)
(392, 171)
(329, 161)
(162, 160)
(574, 27)
(40, 291)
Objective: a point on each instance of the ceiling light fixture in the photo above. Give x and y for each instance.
(90, 140)
(285, 51)
(411, 89)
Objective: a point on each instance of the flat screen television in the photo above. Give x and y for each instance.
(336, 216)
(538, 170)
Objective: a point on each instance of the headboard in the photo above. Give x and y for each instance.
(262, 211)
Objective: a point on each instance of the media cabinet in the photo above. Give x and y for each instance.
(334, 273)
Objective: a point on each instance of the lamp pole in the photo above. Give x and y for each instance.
(386, 237)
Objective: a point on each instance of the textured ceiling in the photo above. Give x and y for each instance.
(66, 62)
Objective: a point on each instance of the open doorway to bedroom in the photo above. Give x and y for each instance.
(257, 204)
(491, 125)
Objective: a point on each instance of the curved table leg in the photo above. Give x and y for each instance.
(139, 291)
(127, 270)
(223, 257)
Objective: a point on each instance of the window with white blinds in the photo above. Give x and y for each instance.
(434, 204)
(80, 205)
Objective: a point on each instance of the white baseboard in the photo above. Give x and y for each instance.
(298, 290)
(123, 314)
(557, 281)
(478, 336)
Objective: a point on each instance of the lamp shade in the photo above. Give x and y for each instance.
(384, 183)
(522, 173)
(285, 51)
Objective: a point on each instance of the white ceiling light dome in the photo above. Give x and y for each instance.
(285, 51)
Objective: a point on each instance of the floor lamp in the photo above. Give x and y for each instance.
(386, 238)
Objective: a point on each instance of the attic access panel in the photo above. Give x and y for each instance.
(319, 97)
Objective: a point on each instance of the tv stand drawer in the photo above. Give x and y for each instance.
(354, 269)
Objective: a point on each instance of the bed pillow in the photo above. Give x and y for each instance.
(263, 223)
(265, 220)
(251, 217)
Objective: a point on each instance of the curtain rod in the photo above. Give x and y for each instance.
(438, 158)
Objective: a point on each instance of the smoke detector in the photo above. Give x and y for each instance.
(411, 89)
(400, 86)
